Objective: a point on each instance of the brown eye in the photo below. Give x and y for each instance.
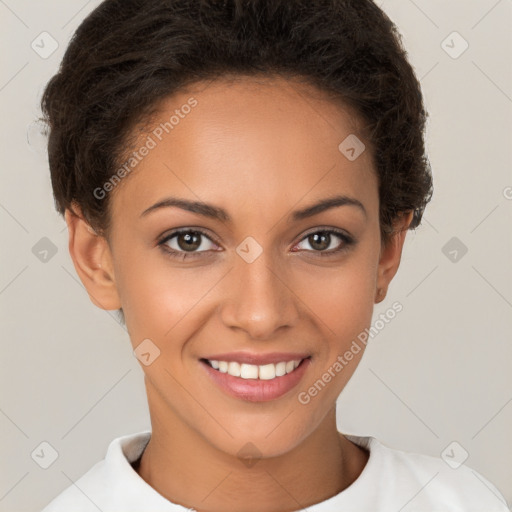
(187, 241)
(320, 241)
(326, 242)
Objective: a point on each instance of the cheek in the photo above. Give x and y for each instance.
(343, 308)
(157, 296)
(342, 300)
(343, 297)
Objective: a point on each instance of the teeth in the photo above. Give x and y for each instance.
(267, 372)
(249, 371)
(234, 369)
(280, 369)
(252, 371)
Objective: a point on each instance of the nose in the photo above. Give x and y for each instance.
(259, 301)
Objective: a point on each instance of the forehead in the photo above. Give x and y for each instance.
(247, 140)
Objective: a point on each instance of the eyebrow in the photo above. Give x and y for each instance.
(217, 213)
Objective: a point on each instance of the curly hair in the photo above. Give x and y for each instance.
(128, 55)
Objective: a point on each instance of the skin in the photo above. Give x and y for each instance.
(260, 150)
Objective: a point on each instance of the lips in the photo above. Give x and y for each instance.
(266, 376)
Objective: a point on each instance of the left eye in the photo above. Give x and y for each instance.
(324, 241)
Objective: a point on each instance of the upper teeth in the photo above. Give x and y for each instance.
(252, 371)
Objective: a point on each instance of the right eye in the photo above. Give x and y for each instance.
(186, 243)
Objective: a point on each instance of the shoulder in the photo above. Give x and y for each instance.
(112, 484)
(428, 483)
(81, 495)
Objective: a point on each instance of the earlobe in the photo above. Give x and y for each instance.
(390, 256)
(92, 259)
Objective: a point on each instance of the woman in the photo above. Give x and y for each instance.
(238, 179)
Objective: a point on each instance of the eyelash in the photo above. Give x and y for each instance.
(347, 241)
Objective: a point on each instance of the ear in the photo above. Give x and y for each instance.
(390, 255)
(92, 259)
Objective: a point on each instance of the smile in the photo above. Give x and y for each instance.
(256, 382)
(252, 371)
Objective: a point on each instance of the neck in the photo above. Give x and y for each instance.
(185, 468)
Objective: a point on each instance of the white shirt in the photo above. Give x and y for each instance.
(391, 481)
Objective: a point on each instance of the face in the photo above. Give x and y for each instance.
(258, 275)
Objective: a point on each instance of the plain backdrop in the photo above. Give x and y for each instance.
(437, 379)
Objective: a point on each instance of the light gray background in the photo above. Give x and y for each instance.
(440, 372)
